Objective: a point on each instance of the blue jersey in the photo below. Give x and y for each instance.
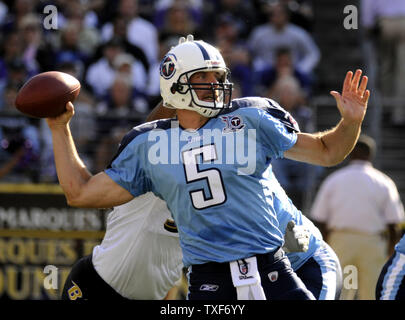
(212, 178)
(400, 246)
(286, 211)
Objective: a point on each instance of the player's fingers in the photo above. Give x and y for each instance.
(363, 85)
(336, 95)
(347, 81)
(69, 106)
(366, 96)
(339, 100)
(356, 79)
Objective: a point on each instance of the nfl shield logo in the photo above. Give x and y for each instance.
(243, 267)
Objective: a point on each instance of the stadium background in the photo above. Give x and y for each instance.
(37, 228)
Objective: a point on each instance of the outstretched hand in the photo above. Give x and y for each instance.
(352, 103)
(63, 119)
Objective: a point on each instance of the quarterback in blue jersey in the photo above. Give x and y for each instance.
(391, 283)
(209, 165)
(314, 261)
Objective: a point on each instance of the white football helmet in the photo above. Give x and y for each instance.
(180, 63)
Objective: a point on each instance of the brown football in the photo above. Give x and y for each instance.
(46, 94)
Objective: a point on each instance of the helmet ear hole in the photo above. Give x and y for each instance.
(174, 87)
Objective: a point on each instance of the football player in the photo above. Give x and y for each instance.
(138, 257)
(311, 258)
(228, 231)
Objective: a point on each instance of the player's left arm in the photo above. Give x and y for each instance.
(331, 147)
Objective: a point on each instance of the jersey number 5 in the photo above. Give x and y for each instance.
(212, 176)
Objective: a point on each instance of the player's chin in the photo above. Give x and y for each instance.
(208, 99)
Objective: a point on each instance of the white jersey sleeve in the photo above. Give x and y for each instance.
(137, 257)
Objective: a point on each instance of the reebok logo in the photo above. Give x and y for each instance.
(209, 287)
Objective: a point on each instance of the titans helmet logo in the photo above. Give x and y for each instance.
(167, 66)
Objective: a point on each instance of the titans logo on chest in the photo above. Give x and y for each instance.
(232, 123)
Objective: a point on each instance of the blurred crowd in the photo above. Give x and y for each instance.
(114, 48)
(383, 23)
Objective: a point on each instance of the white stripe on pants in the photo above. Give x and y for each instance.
(393, 278)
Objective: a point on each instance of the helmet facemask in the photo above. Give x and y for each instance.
(220, 92)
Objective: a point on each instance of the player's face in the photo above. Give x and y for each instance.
(208, 78)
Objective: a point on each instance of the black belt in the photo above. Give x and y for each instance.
(262, 258)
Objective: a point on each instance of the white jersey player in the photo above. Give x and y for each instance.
(137, 259)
